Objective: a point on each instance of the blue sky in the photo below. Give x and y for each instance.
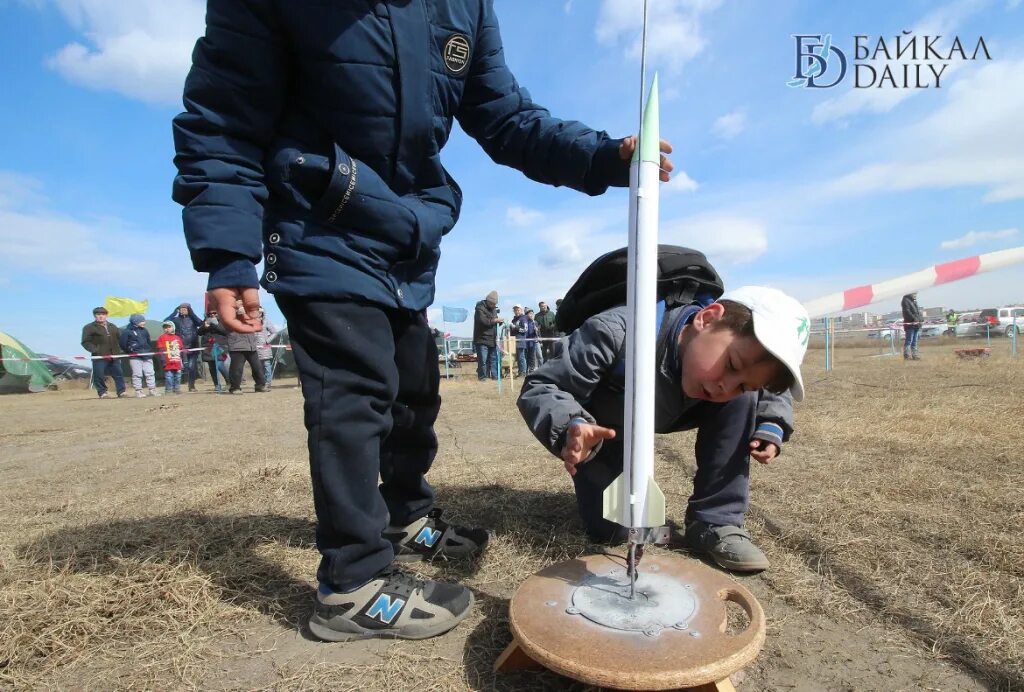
(808, 190)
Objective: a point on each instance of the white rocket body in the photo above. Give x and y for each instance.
(634, 499)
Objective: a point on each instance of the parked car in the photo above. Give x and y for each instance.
(1002, 320)
(64, 369)
(967, 325)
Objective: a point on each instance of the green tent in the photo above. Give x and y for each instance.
(19, 374)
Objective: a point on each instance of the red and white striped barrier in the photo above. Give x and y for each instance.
(932, 276)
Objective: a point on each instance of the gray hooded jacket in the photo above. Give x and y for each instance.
(581, 383)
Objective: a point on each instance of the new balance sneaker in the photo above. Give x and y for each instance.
(432, 537)
(394, 605)
(729, 547)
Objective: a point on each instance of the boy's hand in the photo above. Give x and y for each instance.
(628, 146)
(580, 440)
(248, 319)
(763, 451)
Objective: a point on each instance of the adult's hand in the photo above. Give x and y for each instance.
(628, 146)
(249, 321)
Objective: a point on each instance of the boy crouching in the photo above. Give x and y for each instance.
(730, 369)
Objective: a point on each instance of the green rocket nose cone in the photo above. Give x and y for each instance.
(650, 137)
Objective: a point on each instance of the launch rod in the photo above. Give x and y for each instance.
(637, 278)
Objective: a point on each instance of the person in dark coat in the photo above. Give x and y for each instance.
(214, 339)
(546, 328)
(103, 340)
(912, 319)
(311, 141)
(135, 340)
(485, 336)
(186, 326)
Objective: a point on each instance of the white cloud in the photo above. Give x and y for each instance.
(674, 34)
(730, 124)
(571, 242)
(521, 217)
(974, 237)
(679, 182)
(141, 49)
(975, 138)
(724, 238)
(36, 242)
(942, 22)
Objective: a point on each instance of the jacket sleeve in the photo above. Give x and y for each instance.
(87, 340)
(552, 395)
(516, 132)
(123, 341)
(233, 96)
(774, 417)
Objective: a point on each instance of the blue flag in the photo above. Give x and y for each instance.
(453, 314)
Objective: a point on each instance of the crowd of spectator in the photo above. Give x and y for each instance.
(186, 342)
(536, 336)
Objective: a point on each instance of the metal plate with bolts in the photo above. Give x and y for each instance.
(661, 602)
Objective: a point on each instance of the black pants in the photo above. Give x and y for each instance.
(370, 382)
(101, 368)
(238, 360)
(721, 488)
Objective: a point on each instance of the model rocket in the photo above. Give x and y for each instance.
(634, 499)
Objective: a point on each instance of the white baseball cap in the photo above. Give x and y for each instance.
(781, 325)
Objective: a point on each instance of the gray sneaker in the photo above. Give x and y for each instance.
(394, 605)
(432, 537)
(729, 547)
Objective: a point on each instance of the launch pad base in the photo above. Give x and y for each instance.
(576, 619)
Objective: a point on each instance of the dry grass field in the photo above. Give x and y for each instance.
(168, 543)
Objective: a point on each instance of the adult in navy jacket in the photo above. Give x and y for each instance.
(311, 139)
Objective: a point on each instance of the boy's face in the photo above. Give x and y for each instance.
(167, 329)
(717, 364)
(517, 311)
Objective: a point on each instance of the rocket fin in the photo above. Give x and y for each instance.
(614, 508)
(655, 511)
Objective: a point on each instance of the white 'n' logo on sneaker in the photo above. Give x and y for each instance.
(427, 536)
(385, 608)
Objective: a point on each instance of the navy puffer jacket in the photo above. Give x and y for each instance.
(318, 125)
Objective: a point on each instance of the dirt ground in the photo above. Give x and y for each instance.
(168, 543)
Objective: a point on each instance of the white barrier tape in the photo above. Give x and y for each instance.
(54, 359)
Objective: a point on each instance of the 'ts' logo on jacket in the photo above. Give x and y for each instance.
(456, 53)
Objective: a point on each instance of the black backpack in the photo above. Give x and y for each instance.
(682, 274)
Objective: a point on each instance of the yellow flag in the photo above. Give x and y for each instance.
(125, 307)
